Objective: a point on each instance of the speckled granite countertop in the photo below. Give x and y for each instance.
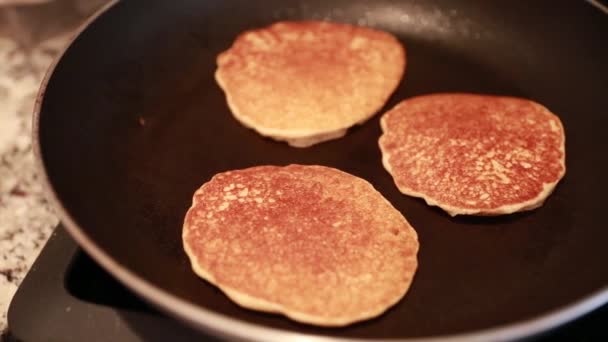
(26, 219)
(32, 35)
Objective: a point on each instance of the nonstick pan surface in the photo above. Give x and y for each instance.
(131, 122)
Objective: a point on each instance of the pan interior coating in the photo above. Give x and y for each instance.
(314, 243)
(126, 183)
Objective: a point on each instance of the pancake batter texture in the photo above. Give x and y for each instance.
(313, 243)
(308, 82)
(474, 154)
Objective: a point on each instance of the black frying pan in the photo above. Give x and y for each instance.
(131, 122)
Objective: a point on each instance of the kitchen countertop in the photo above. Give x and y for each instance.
(26, 218)
(32, 35)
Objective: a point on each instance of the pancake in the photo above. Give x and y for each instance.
(308, 82)
(474, 154)
(313, 243)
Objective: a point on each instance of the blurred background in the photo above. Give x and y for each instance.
(32, 35)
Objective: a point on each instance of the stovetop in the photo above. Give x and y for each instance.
(66, 296)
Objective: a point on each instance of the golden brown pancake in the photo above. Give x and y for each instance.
(314, 243)
(474, 154)
(308, 82)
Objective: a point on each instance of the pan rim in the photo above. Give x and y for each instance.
(222, 325)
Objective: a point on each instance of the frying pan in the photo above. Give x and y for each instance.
(130, 122)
